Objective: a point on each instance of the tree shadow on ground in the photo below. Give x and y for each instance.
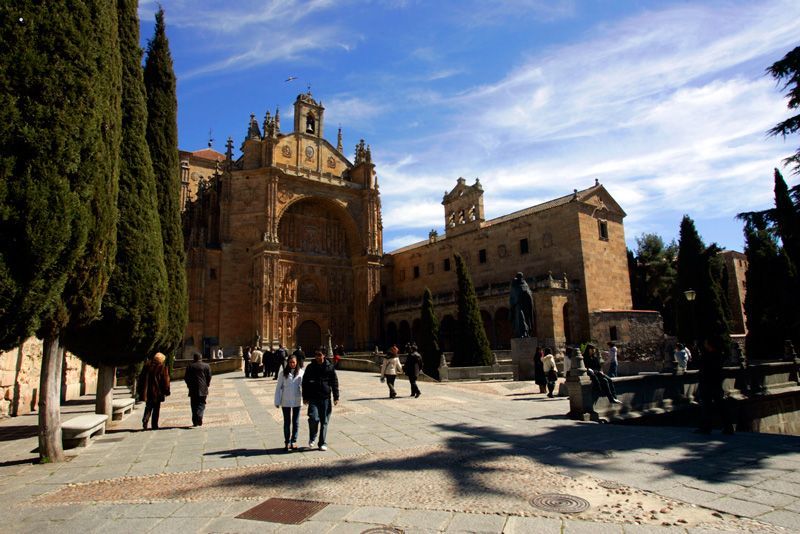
(12, 433)
(470, 452)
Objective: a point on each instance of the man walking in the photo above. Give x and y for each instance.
(413, 367)
(281, 356)
(197, 378)
(319, 382)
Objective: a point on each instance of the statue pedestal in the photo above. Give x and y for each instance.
(522, 352)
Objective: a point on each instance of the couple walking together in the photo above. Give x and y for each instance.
(313, 385)
(391, 367)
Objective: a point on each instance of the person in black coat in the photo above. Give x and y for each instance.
(319, 383)
(412, 368)
(198, 378)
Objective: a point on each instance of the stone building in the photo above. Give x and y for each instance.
(736, 268)
(285, 242)
(571, 249)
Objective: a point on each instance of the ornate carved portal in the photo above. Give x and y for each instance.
(314, 279)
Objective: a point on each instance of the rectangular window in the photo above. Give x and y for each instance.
(603, 227)
(430, 268)
(416, 271)
(402, 275)
(447, 264)
(212, 273)
(383, 291)
(523, 246)
(482, 255)
(613, 333)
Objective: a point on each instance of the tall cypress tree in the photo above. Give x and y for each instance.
(472, 345)
(134, 309)
(764, 322)
(162, 137)
(428, 336)
(787, 220)
(59, 154)
(690, 270)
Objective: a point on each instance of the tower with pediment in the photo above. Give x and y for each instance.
(285, 242)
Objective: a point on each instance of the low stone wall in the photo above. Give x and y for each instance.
(225, 365)
(363, 365)
(640, 332)
(19, 378)
(761, 397)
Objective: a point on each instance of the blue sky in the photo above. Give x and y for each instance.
(666, 103)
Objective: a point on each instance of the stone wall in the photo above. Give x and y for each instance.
(19, 378)
(643, 332)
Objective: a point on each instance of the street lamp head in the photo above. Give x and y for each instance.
(690, 294)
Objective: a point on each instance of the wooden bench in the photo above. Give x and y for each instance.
(121, 408)
(78, 431)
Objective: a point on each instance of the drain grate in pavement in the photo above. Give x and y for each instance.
(610, 484)
(382, 530)
(559, 502)
(286, 511)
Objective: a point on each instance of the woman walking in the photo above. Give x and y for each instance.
(391, 366)
(289, 398)
(153, 388)
(538, 370)
(550, 371)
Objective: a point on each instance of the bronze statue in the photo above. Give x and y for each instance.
(521, 307)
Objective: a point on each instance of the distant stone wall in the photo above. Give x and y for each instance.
(639, 333)
(19, 378)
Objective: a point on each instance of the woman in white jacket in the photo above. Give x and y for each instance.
(391, 366)
(288, 397)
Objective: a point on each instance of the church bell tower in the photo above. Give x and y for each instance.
(308, 115)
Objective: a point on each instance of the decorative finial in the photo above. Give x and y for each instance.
(339, 145)
(596, 182)
(229, 149)
(277, 119)
(574, 194)
(210, 138)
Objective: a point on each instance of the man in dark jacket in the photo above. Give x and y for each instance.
(197, 378)
(413, 367)
(319, 382)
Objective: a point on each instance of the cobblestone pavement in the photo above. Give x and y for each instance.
(467, 457)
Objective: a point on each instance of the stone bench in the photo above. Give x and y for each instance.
(121, 408)
(78, 431)
(509, 375)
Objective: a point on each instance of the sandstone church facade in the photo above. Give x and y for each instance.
(284, 244)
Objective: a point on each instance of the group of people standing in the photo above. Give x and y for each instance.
(269, 361)
(391, 367)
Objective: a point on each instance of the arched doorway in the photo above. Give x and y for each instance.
(391, 333)
(447, 333)
(416, 327)
(309, 336)
(488, 327)
(405, 334)
(502, 327)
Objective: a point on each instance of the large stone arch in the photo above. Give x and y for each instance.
(338, 209)
(503, 329)
(316, 259)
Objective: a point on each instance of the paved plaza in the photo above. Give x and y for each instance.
(466, 457)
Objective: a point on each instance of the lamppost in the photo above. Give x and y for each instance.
(690, 295)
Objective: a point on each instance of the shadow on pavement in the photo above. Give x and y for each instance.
(11, 433)
(234, 453)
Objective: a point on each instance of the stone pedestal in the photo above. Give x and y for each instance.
(522, 352)
(581, 397)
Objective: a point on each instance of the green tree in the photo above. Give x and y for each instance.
(428, 336)
(699, 269)
(654, 277)
(689, 272)
(787, 219)
(162, 137)
(764, 267)
(472, 345)
(59, 153)
(133, 313)
(787, 72)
